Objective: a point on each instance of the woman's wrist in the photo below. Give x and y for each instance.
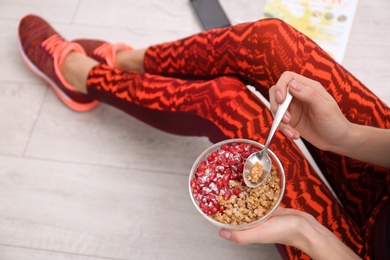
(349, 141)
(366, 143)
(319, 243)
(309, 237)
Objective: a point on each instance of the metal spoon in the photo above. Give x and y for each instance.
(262, 156)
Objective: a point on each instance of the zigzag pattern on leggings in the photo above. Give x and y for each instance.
(258, 53)
(220, 63)
(208, 99)
(226, 102)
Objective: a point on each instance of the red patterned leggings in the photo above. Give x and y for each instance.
(197, 87)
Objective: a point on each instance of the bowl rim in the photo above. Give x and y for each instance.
(214, 147)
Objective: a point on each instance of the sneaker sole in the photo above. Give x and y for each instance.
(78, 107)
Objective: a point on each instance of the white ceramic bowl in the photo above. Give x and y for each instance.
(203, 157)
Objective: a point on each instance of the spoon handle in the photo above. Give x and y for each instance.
(281, 110)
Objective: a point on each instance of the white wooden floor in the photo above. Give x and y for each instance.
(102, 185)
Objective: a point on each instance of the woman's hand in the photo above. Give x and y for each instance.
(313, 113)
(295, 228)
(283, 227)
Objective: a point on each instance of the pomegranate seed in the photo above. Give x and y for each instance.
(209, 197)
(193, 183)
(202, 165)
(240, 167)
(227, 195)
(221, 160)
(213, 210)
(246, 154)
(212, 166)
(212, 175)
(231, 161)
(225, 188)
(220, 169)
(225, 179)
(234, 176)
(200, 173)
(225, 147)
(236, 191)
(211, 157)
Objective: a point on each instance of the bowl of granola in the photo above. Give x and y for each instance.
(219, 193)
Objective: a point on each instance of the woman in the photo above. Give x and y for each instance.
(197, 86)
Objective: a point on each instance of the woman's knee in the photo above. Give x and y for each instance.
(230, 85)
(273, 26)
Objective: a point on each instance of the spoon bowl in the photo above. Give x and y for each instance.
(260, 161)
(258, 157)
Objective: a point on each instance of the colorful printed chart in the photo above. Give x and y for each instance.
(327, 22)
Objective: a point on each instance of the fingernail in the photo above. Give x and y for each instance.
(279, 96)
(225, 234)
(287, 132)
(286, 119)
(296, 86)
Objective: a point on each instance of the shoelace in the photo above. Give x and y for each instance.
(105, 51)
(55, 45)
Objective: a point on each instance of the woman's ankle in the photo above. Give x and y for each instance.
(132, 60)
(75, 69)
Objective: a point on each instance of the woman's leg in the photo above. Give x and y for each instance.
(200, 126)
(229, 109)
(222, 108)
(208, 122)
(258, 53)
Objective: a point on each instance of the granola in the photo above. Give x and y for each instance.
(256, 173)
(251, 204)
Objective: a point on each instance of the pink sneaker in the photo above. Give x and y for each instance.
(101, 51)
(43, 50)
